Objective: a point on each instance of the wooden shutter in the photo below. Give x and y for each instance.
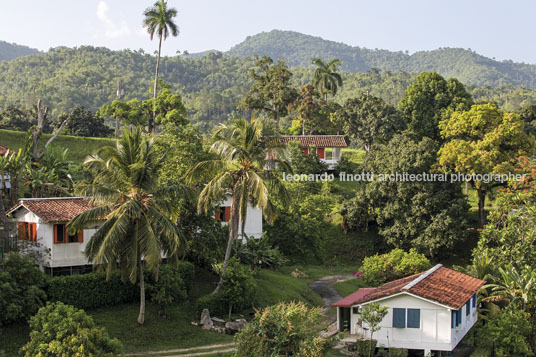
(21, 230)
(320, 152)
(474, 300)
(468, 307)
(55, 234)
(227, 214)
(414, 318)
(305, 151)
(458, 317)
(81, 236)
(399, 318)
(32, 232)
(453, 319)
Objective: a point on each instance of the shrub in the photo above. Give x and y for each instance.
(215, 304)
(379, 269)
(169, 287)
(187, 274)
(21, 288)
(239, 286)
(92, 290)
(259, 253)
(285, 329)
(398, 352)
(362, 347)
(509, 332)
(62, 330)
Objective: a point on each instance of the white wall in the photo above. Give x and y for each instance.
(253, 225)
(435, 332)
(55, 255)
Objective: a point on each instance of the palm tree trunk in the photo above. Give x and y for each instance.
(155, 88)
(141, 316)
(233, 234)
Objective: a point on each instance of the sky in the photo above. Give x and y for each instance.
(494, 28)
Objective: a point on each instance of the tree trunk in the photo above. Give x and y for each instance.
(3, 218)
(155, 88)
(466, 188)
(370, 345)
(116, 127)
(481, 205)
(230, 310)
(141, 316)
(233, 234)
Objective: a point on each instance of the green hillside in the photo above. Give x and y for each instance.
(79, 147)
(9, 51)
(466, 65)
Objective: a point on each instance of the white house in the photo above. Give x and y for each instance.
(429, 311)
(43, 221)
(253, 226)
(328, 147)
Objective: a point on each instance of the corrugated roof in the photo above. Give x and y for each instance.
(315, 140)
(442, 285)
(57, 209)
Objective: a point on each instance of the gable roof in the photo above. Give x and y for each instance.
(352, 298)
(56, 209)
(314, 140)
(439, 284)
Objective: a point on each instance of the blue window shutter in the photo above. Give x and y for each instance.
(399, 318)
(414, 318)
(453, 319)
(474, 300)
(458, 317)
(468, 307)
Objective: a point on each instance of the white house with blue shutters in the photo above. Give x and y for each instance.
(430, 311)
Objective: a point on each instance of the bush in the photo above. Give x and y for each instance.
(508, 332)
(187, 274)
(169, 287)
(396, 264)
(285, 329)
(239, 286)
(259, 253)
(21, 288)
(62, 330)
(398, 352)
(362, 347)
(215, 304)
(92, 290)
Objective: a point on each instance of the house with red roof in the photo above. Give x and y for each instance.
(327, 147)
(431, 311)
(41, 222)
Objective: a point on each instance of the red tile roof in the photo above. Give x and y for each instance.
(442, 285)
(55, 209)
(352, 298)
(315, 140)
(3, 150)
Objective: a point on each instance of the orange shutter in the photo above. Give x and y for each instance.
(81, 236)
(227, 213)
(55, 234)
(32, 232)
(218, 213)
(320, 152)
(21, 230)
(305, 151)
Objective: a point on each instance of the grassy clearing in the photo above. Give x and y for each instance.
(354, 155)
(349, 286)
(79, 147)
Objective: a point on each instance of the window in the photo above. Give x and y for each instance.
(329, 153)
(414, 318)
(355, 310)
(223, 214)
(61, 235)
(468, 307)
(399, 318)
(27, 231)
(456, 318)
(474, 301)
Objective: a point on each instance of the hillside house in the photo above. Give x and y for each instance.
(429, 311)
(43, 221)
(253, 226)
(327, 147)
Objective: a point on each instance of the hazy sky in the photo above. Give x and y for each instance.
(501, 29)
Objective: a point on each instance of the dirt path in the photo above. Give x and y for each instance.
(325, 288)
(184, 352)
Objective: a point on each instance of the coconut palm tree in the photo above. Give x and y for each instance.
(137, 220)
(241, 171)
(326, 77)
(159, 20)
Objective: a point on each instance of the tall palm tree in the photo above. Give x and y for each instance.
(240, 170)
(159, 20)
(326, 77)
(138, 220)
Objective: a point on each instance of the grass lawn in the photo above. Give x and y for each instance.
(157, 333)
(79, 147)
(354, 155)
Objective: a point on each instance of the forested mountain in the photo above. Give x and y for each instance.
(9, 51)
(211, 86)
(466, 65)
